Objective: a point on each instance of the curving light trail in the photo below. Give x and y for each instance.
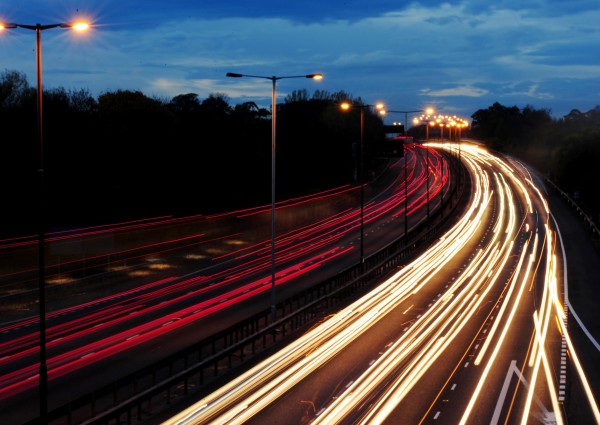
(258, 387)
(388, 380)
(113, 324)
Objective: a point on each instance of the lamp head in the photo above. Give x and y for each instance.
(80, 26)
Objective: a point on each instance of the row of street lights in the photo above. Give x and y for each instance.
(380, 108)
(430, 120)
(428, 111)
(361, 176)
(43, 368)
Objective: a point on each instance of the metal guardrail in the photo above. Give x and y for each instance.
(142, 394)
(587, 220)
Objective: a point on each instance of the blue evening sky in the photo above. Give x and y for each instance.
(457, 56)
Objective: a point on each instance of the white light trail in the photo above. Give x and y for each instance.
(400, 367)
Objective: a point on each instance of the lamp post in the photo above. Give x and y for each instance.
(452, 164)
(273, 80)
(38, 28)
(442, 170)
(428, 111)
(361, 177)
(427, 171)
(461, 125)
(428, 120)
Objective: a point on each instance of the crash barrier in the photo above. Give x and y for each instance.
(586, 219)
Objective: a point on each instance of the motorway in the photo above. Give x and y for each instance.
(138, 291)
(471, 332)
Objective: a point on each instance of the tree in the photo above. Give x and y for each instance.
(185, 103)
(216, 105)
(498, 125)
(14, 89)
(82, 101)
(567, 150)
(300, 95)
(19, 158)
(125, 155)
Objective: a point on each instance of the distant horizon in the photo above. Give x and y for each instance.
(280, 99)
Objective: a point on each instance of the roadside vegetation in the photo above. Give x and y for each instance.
(566, 150)
(125, 155)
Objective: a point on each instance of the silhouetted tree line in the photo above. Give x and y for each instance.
(566, 149)
(124, 155)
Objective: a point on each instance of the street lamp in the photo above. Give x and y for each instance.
(38, 28)
(442, 169)
(428, 120)
(379, 107)
(428, 111)
(274, 80)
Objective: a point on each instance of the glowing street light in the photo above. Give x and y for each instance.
(81, 26)
(380, 107)
(38, 28)
(274, 80)
(441, 121)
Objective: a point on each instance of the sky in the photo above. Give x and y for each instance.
(455, 56)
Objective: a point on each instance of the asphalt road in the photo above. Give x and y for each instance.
(583, 276)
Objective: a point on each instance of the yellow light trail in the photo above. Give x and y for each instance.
(404, 362)
(440, 332)
(323, 342)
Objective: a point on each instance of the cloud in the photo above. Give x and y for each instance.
(530, 90)
(244, 88)
(458, 52)
(467, 91)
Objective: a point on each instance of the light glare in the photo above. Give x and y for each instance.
(81, 26)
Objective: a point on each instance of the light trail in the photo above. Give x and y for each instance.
(541, 320)
(114, 324)
(240, 399)
(390, 378)
(477, 282)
